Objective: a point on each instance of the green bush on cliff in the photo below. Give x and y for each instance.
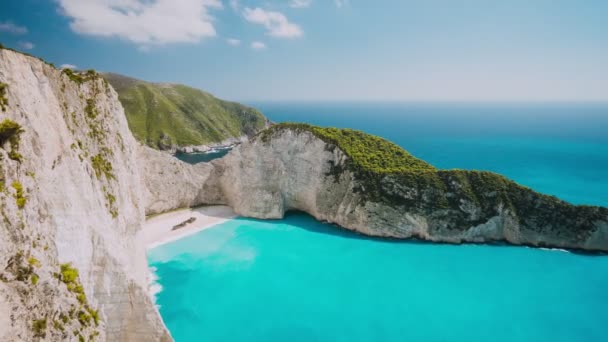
(20, 198)
(102, 167)
(11, 131)
(80, 77)
(3, 98)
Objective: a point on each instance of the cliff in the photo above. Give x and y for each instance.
(369, 185)
(70, 206)
(176, 117)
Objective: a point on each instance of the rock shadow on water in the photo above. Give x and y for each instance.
(303, 220)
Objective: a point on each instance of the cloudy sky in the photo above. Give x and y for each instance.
(330, 50)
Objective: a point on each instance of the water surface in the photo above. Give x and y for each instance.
(300, 280)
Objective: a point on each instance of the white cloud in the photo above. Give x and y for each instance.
(275, 22)
(68, 66)
(26, 45)
(300, 3)
(9, 27)
(342, 3)
(233, 42)
(258, 45)
(235, 4)
(145, 22)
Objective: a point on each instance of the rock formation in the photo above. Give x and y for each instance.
(70, 205)
(381, 190)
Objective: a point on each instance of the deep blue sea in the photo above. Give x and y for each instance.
(300, 280)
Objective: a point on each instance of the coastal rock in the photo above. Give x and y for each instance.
(170, 184)
(70, 206)
(290, 167)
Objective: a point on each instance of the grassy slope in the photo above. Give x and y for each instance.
(162, 115)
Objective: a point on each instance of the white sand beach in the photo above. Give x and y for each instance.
(158, 229)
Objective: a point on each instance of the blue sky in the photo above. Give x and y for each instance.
(330, 50)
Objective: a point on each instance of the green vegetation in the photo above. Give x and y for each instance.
(80, 77)
(20, 198)
(90, 109)
(102, 166)
(162, 115)
(39, 327)
(18, 267)
(3, 98)
(68, 275)
(11, 131)
(111, 203)
(34, 279)
(366, 152)
(33, 262)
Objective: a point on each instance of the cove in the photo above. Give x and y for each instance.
(297, 279)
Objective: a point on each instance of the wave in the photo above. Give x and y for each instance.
(154, 287)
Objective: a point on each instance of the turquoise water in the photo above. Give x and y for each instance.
(301, 280)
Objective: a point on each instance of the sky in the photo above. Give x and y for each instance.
(330, 50)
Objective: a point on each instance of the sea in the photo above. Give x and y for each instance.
(297, 279)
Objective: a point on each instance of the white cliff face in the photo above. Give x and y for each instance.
(295, 170)
(83, 206)
(170, 184)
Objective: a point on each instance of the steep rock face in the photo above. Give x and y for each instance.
(171, 184)
(70, 199)
(290, 168)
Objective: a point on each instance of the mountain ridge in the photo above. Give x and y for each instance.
(176, 117)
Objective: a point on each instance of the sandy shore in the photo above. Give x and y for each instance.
(158, 229)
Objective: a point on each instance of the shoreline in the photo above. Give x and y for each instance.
(158, 229)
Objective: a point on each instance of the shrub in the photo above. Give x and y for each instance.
(90, 109)
(69, 275)
(11, 131)
(102, 166)
(80, 77)
(39, 328)
(33, 262)
(34, 279)
(20, 199)
(3, 98)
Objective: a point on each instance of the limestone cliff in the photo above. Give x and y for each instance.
(366, 184)
(70, 205)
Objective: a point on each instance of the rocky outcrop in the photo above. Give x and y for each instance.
(293, 167)
(170, 184)
(70, 206)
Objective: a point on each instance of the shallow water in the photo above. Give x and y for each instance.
(300, 280)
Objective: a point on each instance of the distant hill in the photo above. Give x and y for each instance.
(166, 116)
